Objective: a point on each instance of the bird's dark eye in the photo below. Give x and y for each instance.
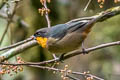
(39, 34)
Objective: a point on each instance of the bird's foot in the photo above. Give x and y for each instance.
(54, 56)
(56, 61)
(83, 49)
(61, 57)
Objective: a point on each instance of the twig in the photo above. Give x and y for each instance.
(59, 70)
(3, 15)
(46, 15)
(79, 73)
(77, 52)
(87, 5)
(71, 77)
(2, 4)
(10, 35)
(10, 16)
(17, 50)
(15, 18)
(21, 48)
(4, 33)
(51, 68)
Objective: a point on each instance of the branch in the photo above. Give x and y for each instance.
(3, 15)
(72, 72)
(15, 18)
(65, 71)
(12, 52)
(45, 11)
(27, 45)
(5, 31)
(71, 77)
(16, 44)
(9, 20)
(71, 54)
(46, 15)
(2, 4)
(87, 5)
(17, 50)
(77, 52)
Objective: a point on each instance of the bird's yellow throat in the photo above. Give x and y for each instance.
(42, 41)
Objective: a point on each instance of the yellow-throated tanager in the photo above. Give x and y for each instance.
(63, 38)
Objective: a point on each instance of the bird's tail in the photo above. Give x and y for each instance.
(102, 17)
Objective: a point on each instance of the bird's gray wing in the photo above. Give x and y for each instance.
(75, 26)
(58, 31)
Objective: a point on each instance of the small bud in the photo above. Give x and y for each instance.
(8, 71)
(11, 67)
(21, 69)
(66, 66)
(84, 73)
(18, 58)
(54, 72)
(3, 66)
(115, 1)
(88, 78)
(62, 71)
(101, 6)
(69, 71)
(57, 63)
(91, 77)
(65, 78)
(99, 1)
(103, 1)
(6, 62)
(62, 76)
(48, 1)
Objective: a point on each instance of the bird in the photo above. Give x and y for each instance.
(69, 36)
(66, 37)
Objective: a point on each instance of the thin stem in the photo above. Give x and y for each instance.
(87, 5)
(10, 17)
(51, 68)
(47, 15)
(71, 77)
(4, 33)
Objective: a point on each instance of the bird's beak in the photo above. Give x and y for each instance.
(42, 41)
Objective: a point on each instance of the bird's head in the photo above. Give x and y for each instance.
(41, 36)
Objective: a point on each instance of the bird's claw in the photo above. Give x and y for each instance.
(61, 57)
(84, 51)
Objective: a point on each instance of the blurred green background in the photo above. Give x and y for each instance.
(104, 63)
